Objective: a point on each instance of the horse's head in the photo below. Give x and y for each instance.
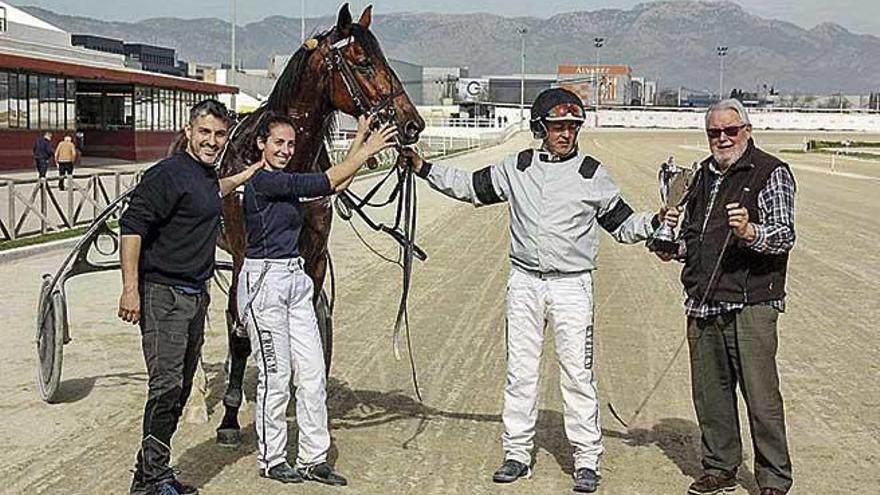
(361, 81)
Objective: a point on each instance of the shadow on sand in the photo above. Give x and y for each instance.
(77, 389)
(678, 439)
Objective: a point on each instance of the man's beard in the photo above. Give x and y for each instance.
(728, 157)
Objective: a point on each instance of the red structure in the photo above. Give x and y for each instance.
(123, 113)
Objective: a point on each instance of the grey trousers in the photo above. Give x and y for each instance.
(173, 331)
(739, 348)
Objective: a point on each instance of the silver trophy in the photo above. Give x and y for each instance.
(674, 183)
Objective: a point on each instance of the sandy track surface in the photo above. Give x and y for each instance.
(385, 441)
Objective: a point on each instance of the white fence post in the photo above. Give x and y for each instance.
(11, 222)
(43, 185)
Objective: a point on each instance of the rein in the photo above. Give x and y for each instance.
(403, 230)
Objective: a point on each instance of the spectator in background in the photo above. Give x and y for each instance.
(79, 140)
(43, 153)
(65, 155)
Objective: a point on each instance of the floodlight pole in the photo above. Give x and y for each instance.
(722, 52)
(598, 43)
(522, 75)
(230, 78)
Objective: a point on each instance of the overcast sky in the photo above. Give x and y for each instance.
(861, 16)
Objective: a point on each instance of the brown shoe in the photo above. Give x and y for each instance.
(709, 484)
(771, 491)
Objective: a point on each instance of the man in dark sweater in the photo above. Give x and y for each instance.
(738, 230)
(43, 153)
(167, 255)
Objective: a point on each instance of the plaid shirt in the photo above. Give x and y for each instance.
(773, 235)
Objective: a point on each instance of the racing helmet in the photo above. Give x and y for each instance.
(554, 105)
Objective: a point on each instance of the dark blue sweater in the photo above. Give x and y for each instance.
(43, 149)
(273, 214)
(176, 211)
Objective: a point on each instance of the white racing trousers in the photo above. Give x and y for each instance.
(566, 303)
(275, 303)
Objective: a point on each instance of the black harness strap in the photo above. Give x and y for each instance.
(614, 218)
(483, 187)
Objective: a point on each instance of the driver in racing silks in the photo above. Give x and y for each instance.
(558, 199)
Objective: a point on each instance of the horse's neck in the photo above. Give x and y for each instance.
(309, 113)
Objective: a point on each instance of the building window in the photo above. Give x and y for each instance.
(36, 102)
(2, 19)
(70, 99)
(165, 123)
(114, 111)
(13, 101)
(45, 102)
(22, 101)
(89, 104)
(60, 106)
(33, 92)
(4, 100)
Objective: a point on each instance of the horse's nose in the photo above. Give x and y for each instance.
(412, 129)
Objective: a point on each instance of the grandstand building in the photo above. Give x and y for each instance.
(48, 84)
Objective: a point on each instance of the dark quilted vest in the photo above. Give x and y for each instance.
(745, 276)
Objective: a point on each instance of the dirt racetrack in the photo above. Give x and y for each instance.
(387, 442)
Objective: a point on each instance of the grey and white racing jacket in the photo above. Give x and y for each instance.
(555, 207)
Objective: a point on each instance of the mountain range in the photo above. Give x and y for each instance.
(672, 42)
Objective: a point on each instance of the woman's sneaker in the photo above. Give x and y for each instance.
(511, 471)
(283, 473)
(322, 473)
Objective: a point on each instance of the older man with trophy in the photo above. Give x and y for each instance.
(735, 239)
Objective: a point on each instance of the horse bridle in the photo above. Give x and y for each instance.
(404, 228)
(334, 60)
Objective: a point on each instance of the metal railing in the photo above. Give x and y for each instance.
(40, 206)
(428, 145)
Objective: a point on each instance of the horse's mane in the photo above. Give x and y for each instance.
(242, 146)
(287, 84)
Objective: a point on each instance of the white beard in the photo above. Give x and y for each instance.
(726, 160)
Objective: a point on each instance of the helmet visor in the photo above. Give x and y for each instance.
(566, 111)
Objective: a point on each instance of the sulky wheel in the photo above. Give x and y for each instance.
(325, 328)
(51, 335)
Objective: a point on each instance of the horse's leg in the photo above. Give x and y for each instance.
(239, 350)
(228, 433)
(317, 217)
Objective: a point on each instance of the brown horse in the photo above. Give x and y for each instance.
(344, 70)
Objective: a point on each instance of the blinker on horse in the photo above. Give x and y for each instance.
(342, 69)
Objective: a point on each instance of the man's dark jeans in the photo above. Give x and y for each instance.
(64, 168)
(173, 330)
(42, 167)
(739, 348)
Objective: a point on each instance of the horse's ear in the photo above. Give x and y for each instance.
(366, 17)
(343, 22)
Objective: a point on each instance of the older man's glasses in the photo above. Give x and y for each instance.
(732, 131)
